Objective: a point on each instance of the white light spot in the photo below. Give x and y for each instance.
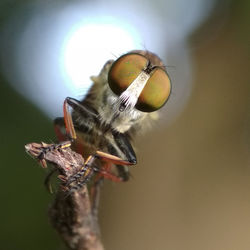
(89, 46)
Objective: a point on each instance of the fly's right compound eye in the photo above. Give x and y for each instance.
(138, 83)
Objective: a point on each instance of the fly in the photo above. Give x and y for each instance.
(124, 97)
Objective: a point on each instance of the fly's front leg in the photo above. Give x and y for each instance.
(77, 106)
(65, 128)
(122, 147)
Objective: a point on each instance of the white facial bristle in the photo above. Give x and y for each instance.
(130, 96)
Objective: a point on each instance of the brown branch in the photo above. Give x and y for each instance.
(71, 213)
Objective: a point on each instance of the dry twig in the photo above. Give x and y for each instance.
(71, 213)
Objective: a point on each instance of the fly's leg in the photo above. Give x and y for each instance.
(82, 176)
(121, 146)
(75, 105)
(87, 171)
(38, 150)
(65, 128)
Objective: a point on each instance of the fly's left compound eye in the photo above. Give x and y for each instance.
(156, 91)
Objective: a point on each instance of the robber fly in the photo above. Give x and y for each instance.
(123, 98)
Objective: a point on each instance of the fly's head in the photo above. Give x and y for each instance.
(140, 80)
(138, 84)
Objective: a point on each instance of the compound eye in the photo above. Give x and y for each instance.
(156, 92)
(124, 71)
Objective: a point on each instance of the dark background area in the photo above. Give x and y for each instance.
(191, 188)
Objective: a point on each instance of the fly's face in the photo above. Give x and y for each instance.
(137, 85)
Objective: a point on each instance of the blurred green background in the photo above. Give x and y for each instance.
(191, 188)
